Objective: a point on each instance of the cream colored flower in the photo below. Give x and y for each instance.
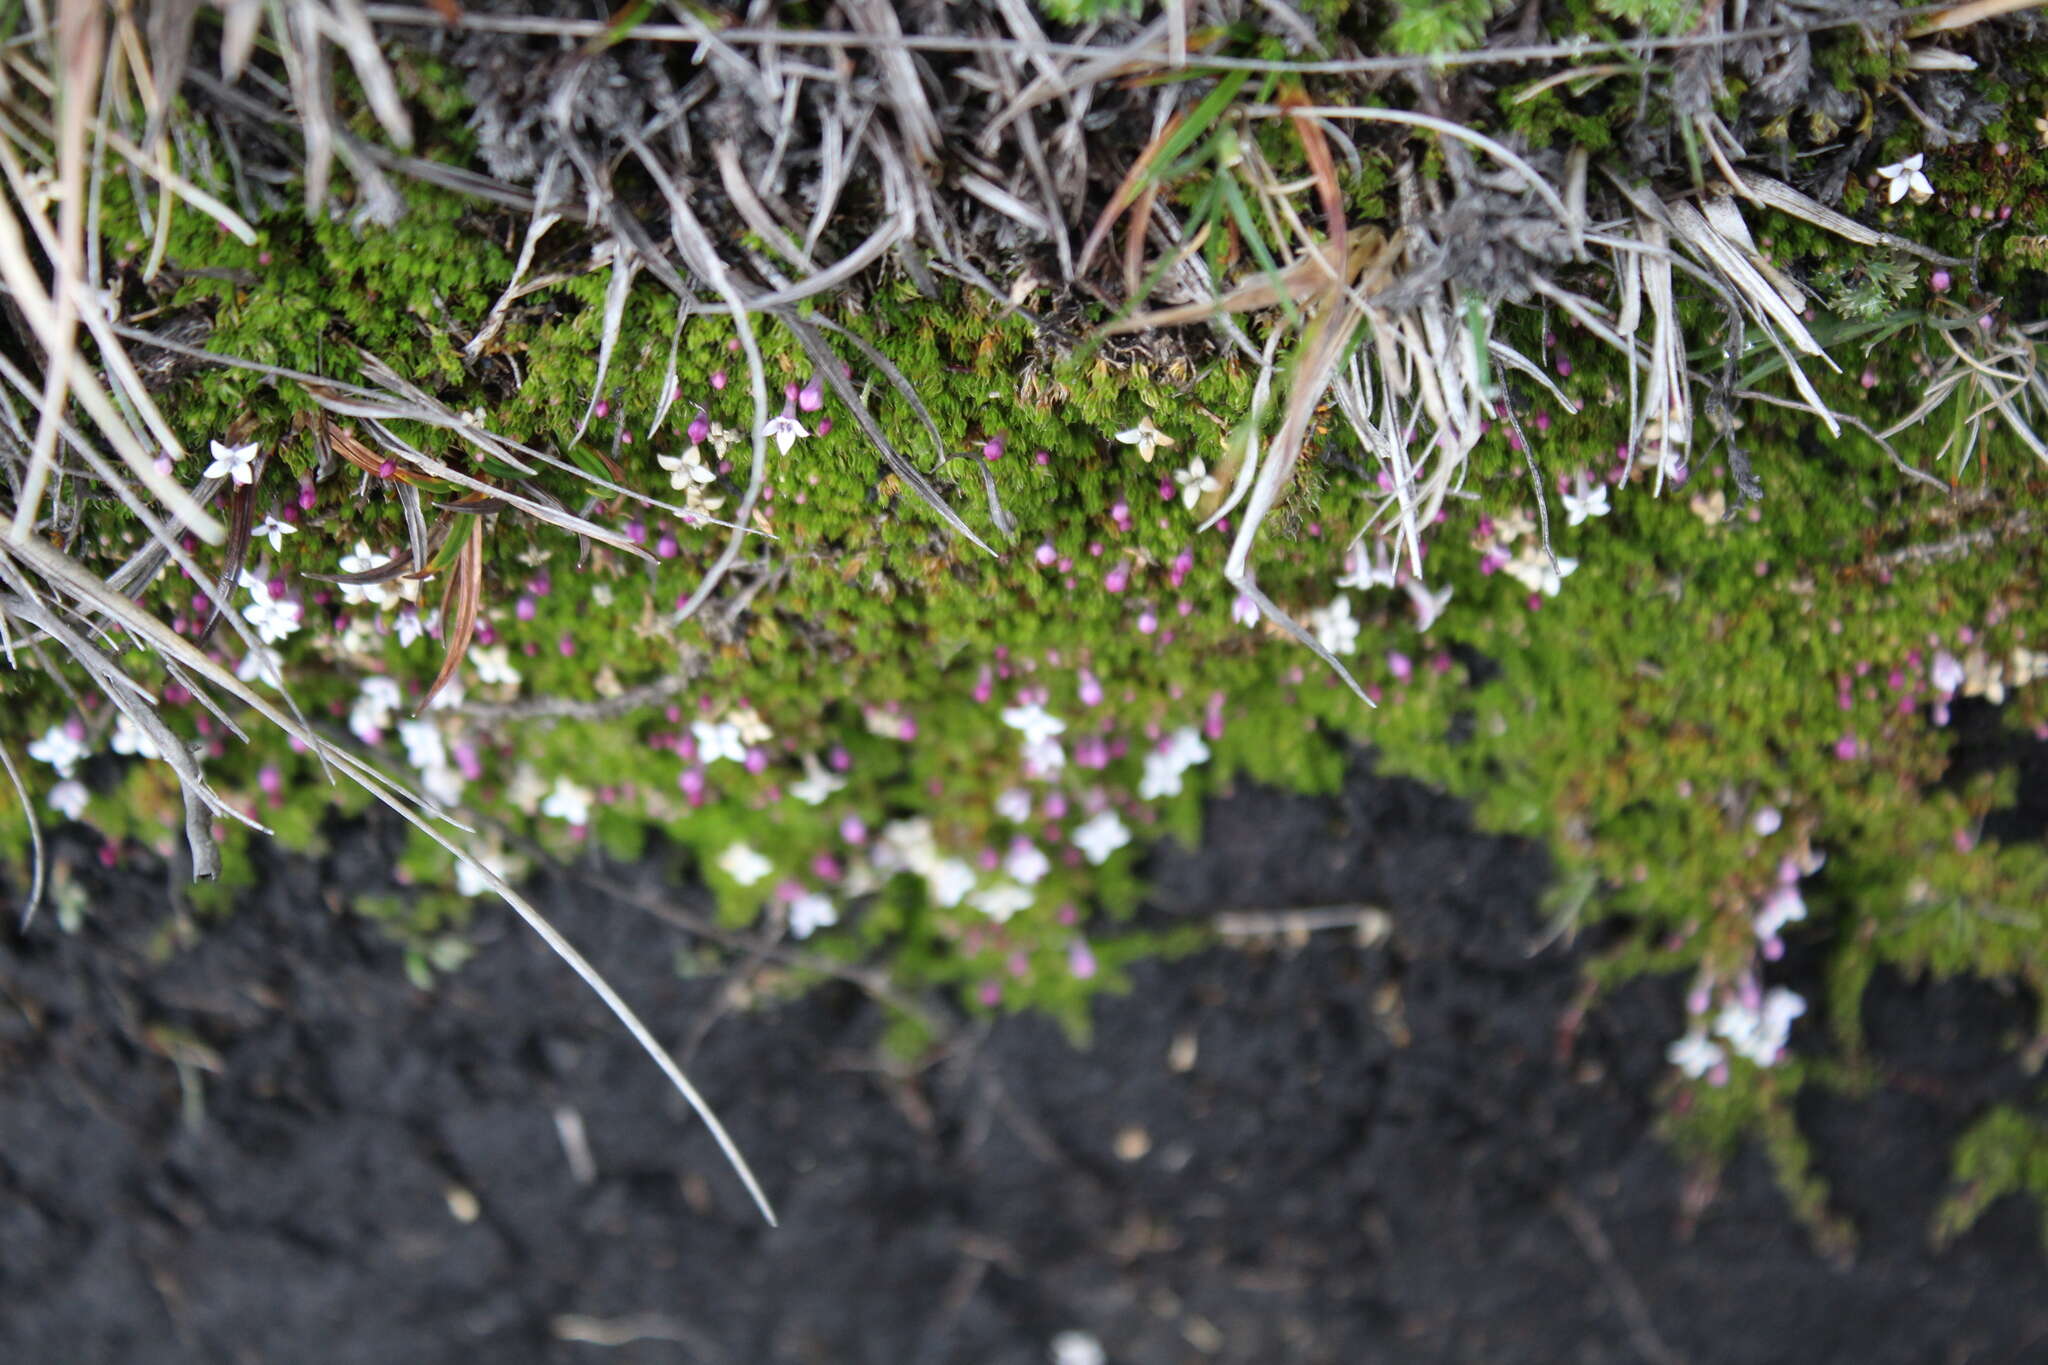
(1147, 438)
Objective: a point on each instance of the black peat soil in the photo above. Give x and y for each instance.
(1324, 1152)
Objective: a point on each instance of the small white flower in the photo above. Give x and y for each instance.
(1782, 907)
(907, 846)
(1907, 178)
(493, 664)
(274, 619)
(359, 638)
(1042, 758)
(1364, 571)
(443, 784)
(449, 698)
(1429, 606)
(1014, 805)
(68, 798)
(469, 875)
(128, 738)
(811, 912)
(1186, 748)
(274, 531)
(357, 561)
(526, 788)
(1334, 628)
(58, 749)
(744, 865)
(1195, 482)
(1983, 676)
(785, 431)
(1077, 1348)
(1162, 777)
(1244, 611)
(1147, 438)
(1533, 570)
(408, 627)
(232, 462)
(817, 784)
(1035, 722)
(1026, 862)
(687, 470)
(262, 665)
(1584, 501)
(569, 802)
(1101, 836)
(1760, 1034)
(1695, 1054)
(717, 740)
(753, 730)
(2025, 665)
(949, 881)
(1001, 901)
(424, 747)
(722, 439)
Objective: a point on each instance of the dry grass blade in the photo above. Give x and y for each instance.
(1782, 197)
(1333, 319)
(459, 607)
(38, 859)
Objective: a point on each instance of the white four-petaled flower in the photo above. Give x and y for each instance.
(1001, 900)
(59, 748)
(784, 430)
(1760, 1034)
(1534, 570)
(1195, 482)
(1035, 722)
(69, 797)
(568, 801)
(1695, 1054)
(1026, 862)
(1585, 501)
(128, 738)
(274, 619)
(1101, 836)
(1147, 438)
(274, 531)
(949, 881)
(1333, 626)
(811, 912)
(1907, 178)
(687, 469)
(816, 784)
(717, 740)
(744, 865)
(493, 664)
(237, 463)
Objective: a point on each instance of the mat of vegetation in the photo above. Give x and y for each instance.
(785, 439)
(258, 1142)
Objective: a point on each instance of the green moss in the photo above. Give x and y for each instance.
(2005, 1152)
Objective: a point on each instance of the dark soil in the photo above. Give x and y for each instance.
(1394, 1153)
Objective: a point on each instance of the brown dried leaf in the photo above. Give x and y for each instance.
(459, 609)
